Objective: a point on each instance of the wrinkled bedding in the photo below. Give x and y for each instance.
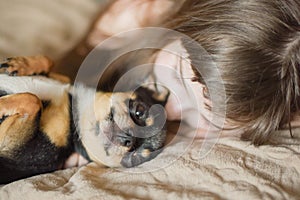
(232, 169)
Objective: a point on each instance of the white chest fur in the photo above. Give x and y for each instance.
(43, 87)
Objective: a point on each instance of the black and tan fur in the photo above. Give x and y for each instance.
(43, 121)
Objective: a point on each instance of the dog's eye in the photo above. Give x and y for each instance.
(140, 111)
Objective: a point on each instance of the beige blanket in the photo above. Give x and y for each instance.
(231, 170)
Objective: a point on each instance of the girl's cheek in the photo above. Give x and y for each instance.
(186, 101)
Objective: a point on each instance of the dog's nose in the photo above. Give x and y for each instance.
(126, 141)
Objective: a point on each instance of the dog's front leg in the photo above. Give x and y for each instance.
(27, 65)
(18, 114)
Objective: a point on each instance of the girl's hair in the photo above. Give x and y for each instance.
(256, 46)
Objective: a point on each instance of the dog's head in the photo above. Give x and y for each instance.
(129, 127)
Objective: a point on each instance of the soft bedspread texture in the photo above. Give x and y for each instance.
(233, 169)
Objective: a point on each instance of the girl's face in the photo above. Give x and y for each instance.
(186, 101)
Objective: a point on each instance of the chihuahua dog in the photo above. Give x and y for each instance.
(43, 121)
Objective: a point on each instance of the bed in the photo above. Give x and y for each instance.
(229, 169)
(232, 169)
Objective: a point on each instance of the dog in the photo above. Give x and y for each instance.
(44, 120)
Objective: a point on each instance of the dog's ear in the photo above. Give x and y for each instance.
(161, 93)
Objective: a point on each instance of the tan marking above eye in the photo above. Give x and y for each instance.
(149, 121)
(162, 95)
(133, 96)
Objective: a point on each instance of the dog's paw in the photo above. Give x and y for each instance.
(22, 104)
(3, 118)
(16, 66)
(24, 66)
